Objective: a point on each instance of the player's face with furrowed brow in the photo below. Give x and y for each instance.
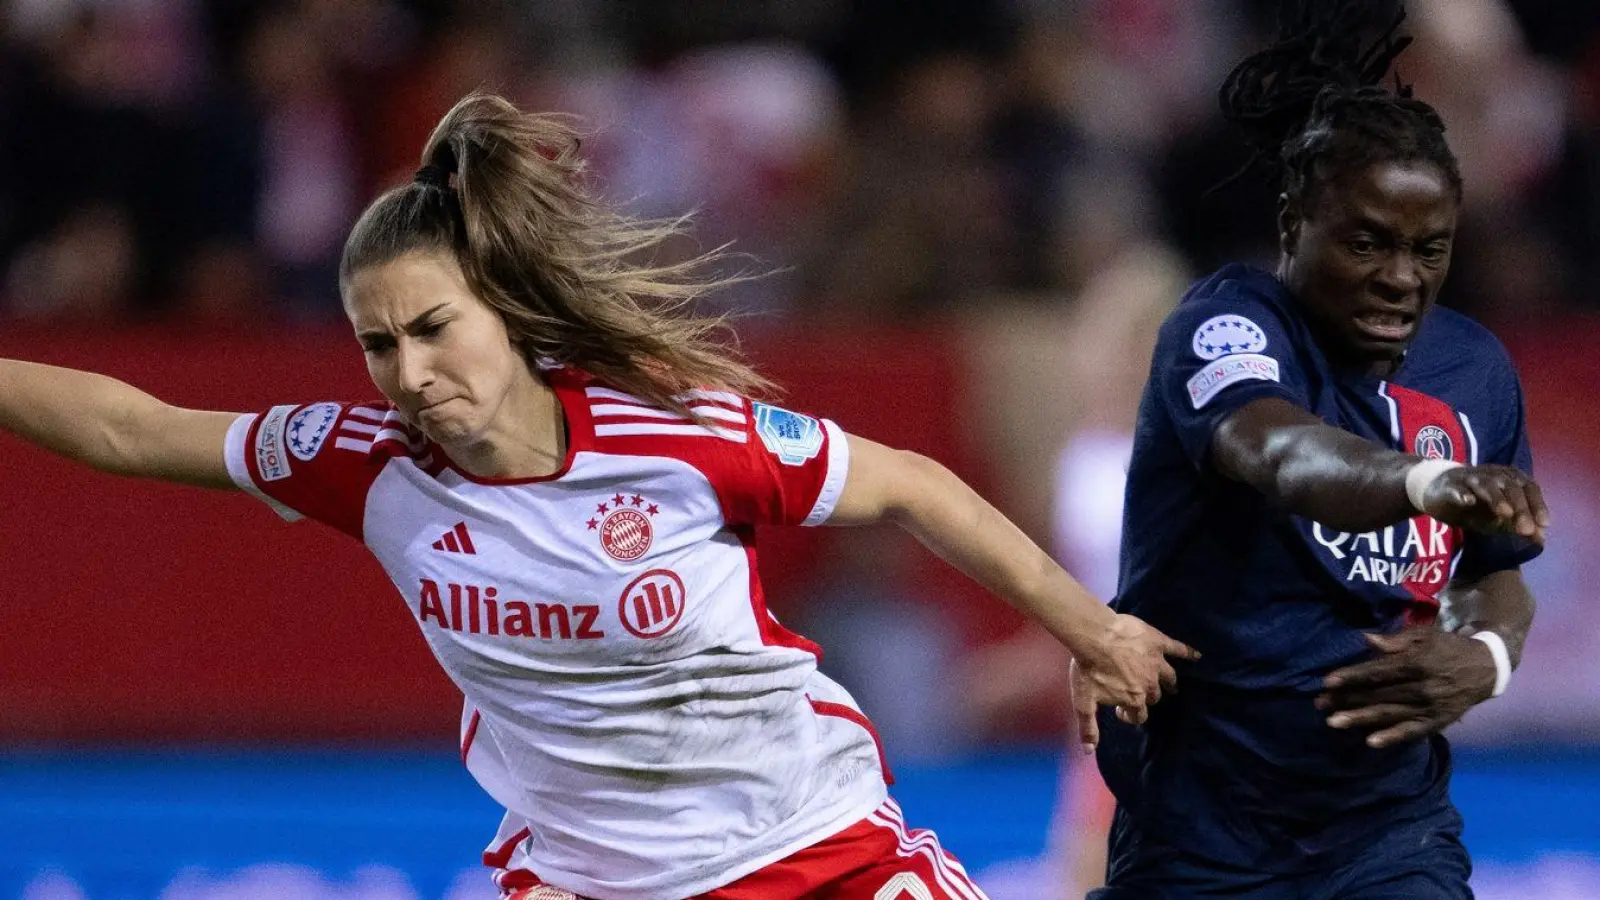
(441, 355)
(1368, 257)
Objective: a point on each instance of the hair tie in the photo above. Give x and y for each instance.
(435, 175)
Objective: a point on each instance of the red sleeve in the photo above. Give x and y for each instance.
(768, 465)
(315, 460)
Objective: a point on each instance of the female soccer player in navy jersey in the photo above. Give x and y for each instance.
(563, 485)
(1329, 497)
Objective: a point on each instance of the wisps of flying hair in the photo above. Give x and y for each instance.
(1327, 52)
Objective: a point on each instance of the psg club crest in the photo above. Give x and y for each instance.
(624, 526)
(1434, 442)
(652, 603)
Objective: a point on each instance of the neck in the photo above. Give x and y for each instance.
(526, 439)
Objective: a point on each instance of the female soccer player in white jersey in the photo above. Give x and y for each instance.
(563, 485)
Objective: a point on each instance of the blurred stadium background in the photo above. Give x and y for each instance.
(978, 210)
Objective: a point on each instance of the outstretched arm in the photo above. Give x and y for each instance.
(1423, 679)
(1334, 477)
(1121, 655)
(112, 426)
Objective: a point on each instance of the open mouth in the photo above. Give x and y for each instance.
(1386, 326)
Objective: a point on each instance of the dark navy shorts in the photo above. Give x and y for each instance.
(1418, 859)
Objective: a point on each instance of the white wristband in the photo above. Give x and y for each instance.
(1502, 659)
(1421, 475)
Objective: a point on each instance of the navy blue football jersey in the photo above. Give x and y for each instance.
(1239, 767)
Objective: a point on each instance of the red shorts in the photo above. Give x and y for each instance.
(877, 858)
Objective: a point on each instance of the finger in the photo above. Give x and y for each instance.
(1408, 692)
(1179, 649)
(1169, 678)
(1536, 504)
(1088, 730)
(1521, 514)
(1405, 731)
(1491, 496)
(1377, 672)
(1133, 714)
(1382, 715)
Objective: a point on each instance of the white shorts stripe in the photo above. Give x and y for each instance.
(895, 813)
(360, 445)
(944, 863)
(359, 427)
(681, 430)
(928, 850)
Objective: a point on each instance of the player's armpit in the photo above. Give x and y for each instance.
(170, 443)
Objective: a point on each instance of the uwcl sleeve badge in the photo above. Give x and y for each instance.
(790, 436)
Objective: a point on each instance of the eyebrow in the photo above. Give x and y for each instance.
(409, 326)
(1366, 223)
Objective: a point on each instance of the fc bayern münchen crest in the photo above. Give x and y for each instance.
(1434, 442)
(624, 525)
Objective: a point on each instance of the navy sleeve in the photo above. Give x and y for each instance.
(1216, 355)
(1505, 443)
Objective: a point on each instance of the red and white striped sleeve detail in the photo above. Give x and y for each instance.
(315, 460)
(768, 465)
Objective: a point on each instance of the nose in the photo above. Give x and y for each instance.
(1400, 275)
(413, 369)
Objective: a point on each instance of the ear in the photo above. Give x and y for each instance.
(1289, 220)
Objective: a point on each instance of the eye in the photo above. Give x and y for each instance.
(376, 346)
(431, 329)
(1361, 246)
(1433, 253)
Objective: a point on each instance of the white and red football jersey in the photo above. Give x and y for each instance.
(652, 731)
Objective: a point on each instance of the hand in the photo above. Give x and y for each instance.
(1127, 668)
(1424, 680)
(1488, 498)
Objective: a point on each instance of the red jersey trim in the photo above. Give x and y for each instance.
(851, 714)
(772, 633)
(472, 732)
(500, 857)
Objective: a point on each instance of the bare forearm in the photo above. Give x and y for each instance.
(79, 415)
(1313, 469)
(963, 529)
(1499, 602)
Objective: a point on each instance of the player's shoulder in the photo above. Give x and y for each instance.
(1455, 335)
(1237, 309)
(1235, 291)
(614, 421)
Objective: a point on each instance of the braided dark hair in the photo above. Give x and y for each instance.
(1314, 106)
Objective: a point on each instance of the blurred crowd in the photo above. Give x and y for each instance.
(202, 159)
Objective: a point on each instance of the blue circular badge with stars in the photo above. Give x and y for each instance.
(310, 427)
(1220, 336)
